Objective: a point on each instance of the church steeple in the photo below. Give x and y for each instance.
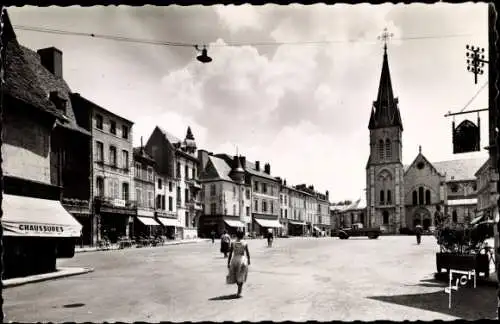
(385, 111)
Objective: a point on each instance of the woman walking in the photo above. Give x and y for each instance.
(238, 262)
(225, 244)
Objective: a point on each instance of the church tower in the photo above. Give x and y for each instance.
(384, 170)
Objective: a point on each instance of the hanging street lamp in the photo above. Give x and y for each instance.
(203, 57)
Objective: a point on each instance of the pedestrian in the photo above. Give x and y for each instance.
(225, 243)
(238, 262)
(212, 235)
(270, 237)
(418, 232)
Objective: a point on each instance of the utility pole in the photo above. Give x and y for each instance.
(475, 60)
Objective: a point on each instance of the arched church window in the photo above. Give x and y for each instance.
(381, 149)
(382, 197)
(427, 197)
(421, 195)
(388, 149)
(415, 199)
(389, 197)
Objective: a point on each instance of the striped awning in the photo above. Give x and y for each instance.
(271, 223)
(234, 223)
(296, 223)
(460, 202)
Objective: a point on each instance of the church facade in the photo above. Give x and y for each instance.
(401, 196)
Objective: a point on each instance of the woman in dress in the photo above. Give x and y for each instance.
(238, 262)
(225, 244)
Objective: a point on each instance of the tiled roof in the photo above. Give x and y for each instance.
(171, 138)
(138, 151)
(358, 204)
(463, 169)
(250, 168)
(216, 169)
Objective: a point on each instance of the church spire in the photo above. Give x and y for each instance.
(385, 111)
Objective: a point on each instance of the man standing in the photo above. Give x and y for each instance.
(225, 244)
(212, 235)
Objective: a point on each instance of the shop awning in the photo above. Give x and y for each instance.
(26, 216)
(148, 221)
(167, 221)
(234, 223)
(317, 228)
(458, 202)
(296, 223)
(268, 223)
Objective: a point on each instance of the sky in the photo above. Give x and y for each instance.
(304, 108)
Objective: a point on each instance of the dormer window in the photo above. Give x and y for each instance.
(59, 102)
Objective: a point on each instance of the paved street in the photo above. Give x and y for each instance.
(299, 279)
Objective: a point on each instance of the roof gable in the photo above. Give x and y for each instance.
(461, 169)
(421, 158)
(170, 138)
(216, 169)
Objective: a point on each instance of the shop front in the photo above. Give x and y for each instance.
(115, 218)
(36, 232)
(296, 228)
(145, 224)
(169, 224)
(262, 226)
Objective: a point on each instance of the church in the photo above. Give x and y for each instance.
(401, 196)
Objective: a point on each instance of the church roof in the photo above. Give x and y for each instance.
(457, 170)
(385, 111)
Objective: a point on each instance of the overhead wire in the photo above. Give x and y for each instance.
(185, 44)
(474, 96)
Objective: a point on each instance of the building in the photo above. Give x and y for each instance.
(114, 206)
(296, 225)
(226, 197)
(264, 195)
(177, 159)
(352, 213)
(323, 222)
(284, 206)
(166, 206)
(37, 229)
(487, 196)
(401, 196)
(145, 181)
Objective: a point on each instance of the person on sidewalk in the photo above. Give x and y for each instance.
(238, 262)
(225, 243)
(212, 235)
(418, 232)
(270, 237)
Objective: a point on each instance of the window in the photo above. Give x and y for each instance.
(256, 205)
(170, 203)
(112, 127)
(170, 186)
(179, 198)
(98, 121)
(193, 173)
(286, 202)
(421, 195)
(454, 188)
(160, 185)
(248, 211)
(151, 203)
(381, 149)
(388, 150)
(163, 202)
(385, 217)
(99, 183)
(158, 201)
(256, 186)
(186, 172)
(248, 193)
(281, 199)
(112, 155)
(186, 219)
(427, 197)
(264, 188)
(234, 210)
(125, 192)
(415, 197)
(138, 168)
(234, 191)
(115, 189)
(272, 206)
(212, 190)
(389, 197)
(99, 150)
(281, 212)
(454, 216)
(178, 170)
(150, 174)
(382, 200)
(138, 196)
(264, 206)
(124, 132)
(213, 208)
(186, 196)
(286, 213)
(125, 159)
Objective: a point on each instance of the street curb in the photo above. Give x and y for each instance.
(165, 244)
(60, 273)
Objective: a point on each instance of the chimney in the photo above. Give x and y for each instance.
(142, 146)
(267, 168)
(243, 162)
(284, 182)
(257, 165)
(51, 59)
(327, 195)
(235, 162)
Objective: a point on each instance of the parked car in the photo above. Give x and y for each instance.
(357, 229)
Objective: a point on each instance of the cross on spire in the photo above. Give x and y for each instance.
(384, 37)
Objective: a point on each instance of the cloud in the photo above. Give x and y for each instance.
(237, 18)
